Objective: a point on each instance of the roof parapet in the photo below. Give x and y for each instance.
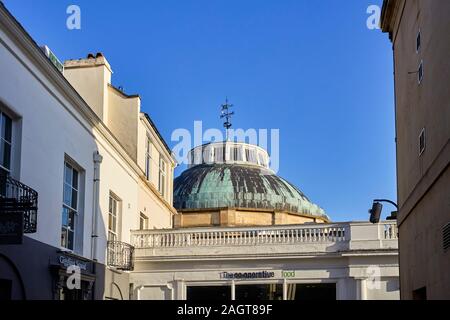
(389, 14)
(90, 61)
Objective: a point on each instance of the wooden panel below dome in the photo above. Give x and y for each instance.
(240, 217)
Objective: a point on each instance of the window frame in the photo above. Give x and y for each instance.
(262, 160)
(70, 208)
(143, 222)
(148, 156)
(420, 72)
(192, 158)
(236, 154)
(418, 41)
(219, 154)
(116, 215)
(162, 177)
(3, 140)
(422, 136)
(251, 155)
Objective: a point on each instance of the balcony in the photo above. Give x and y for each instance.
(120, 255)
(15, 197)
(259, 241)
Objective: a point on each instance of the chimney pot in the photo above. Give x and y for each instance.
(99, 54)
(90, 56)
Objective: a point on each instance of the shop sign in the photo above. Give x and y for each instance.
(69, 261)
(53, 59)
(11, 228)
(288, 274)
(247, 275)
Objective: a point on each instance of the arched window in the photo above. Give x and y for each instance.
(219, 154)
(207, 155)
(198, 156)
(262, 160)
(250, 155)
(236, 154)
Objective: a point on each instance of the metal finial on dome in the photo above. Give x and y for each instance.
(227, 115)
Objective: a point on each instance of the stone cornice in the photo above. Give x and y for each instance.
(164, 146)
(389, 14)
(268, 256)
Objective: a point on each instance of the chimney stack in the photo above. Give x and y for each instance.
(91, 77)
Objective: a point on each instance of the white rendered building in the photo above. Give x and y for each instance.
(96, 163)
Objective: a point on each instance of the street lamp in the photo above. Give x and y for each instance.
(377, 207)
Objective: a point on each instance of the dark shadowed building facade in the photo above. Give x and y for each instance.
(419, 31)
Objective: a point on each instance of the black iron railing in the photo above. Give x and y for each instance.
(16, 197)
(120, 255)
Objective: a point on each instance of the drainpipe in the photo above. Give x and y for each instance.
(95, 204)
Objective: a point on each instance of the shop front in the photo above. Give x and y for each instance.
(36, 271)
(263, 291)
(261, 285)
(73, 277)
(249, 284)
(258, 290)
(342, 261)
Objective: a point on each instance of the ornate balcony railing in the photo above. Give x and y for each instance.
(16, 197)
(120, 255)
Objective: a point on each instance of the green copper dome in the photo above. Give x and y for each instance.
(239, 185)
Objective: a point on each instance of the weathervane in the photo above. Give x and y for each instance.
(227, 115)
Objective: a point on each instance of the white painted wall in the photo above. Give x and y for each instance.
(51, 129)
(157, 149)
(154, 209)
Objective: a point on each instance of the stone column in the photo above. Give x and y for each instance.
(361, 289)
(233, 290)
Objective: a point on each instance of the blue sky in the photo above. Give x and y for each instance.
(309, 68)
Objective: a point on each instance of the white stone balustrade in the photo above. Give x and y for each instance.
(290, 239)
